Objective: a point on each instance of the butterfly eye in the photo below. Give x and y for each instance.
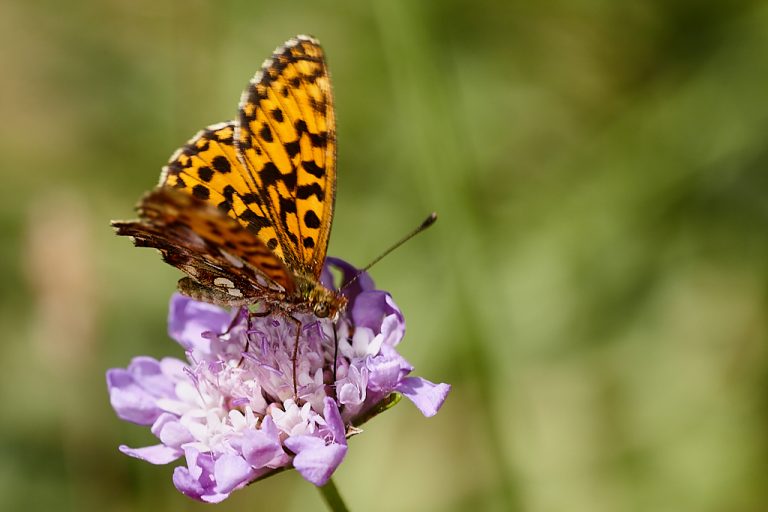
(321, 310)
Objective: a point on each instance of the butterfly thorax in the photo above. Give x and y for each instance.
(318, 299)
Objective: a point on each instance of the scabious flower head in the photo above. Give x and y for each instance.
(231, 410)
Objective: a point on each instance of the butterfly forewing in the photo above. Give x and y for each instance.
(207, 167)
(286, 134)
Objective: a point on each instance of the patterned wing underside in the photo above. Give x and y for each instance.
(286, 134)
(207, 167)
(207, 245)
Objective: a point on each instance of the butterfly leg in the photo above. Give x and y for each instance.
(335, 353)
(234, 321)
(257, 314)
(295, 357)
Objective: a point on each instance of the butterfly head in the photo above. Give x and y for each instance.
(326, 303)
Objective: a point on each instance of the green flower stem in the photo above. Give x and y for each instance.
(332, 497)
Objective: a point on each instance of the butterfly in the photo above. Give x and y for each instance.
(245, 208)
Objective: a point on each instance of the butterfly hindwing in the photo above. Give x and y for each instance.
(286, 135)
(213, 249)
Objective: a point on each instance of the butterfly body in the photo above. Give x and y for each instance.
(245, 207)
(317, 300)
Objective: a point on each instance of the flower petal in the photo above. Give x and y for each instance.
(133, 392)
(231, 472)
(334, 422)
(194, 488)
(188, 319)
(262, 447)
(172, 432)
(315, 460)
(384, 373)
(361, 284)
(157, 454)
(351, 389)
(372, 307)
(427, 396)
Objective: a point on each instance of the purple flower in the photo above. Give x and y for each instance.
(231, 410)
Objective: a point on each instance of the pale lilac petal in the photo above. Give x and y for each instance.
(134, 406)
(231, 472)
(334, 422)
(392, 329)
(351, 389)
(188, 319)
(317, 466)
(118, 378)
(259, 450)
(192, 455)
(174, 433)
(162, 421)
(261, 447)
(370, 308)
(315, 460)
(304, 443)
(174, 369)
(150, 375)
(157, 454)
(129, 394)
(192, 487)
(385, 373)
(197, 480)
(427, 396)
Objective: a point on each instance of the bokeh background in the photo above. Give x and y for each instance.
(595, 288)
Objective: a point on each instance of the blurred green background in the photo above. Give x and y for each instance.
(595, 288)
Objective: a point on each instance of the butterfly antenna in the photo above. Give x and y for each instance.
(424, 225)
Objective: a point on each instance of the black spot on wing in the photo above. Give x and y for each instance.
(318, 106)
(269, 174)
(292, 148)
(201, 192)
(287, 206)
(301, 127)
(229, 193)
(221, 164)
(265, 133)
(255, 222)
(304, 191)
(312, 168)
(319, 140)
(251, 198)
(205, 173)
(311, 219)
